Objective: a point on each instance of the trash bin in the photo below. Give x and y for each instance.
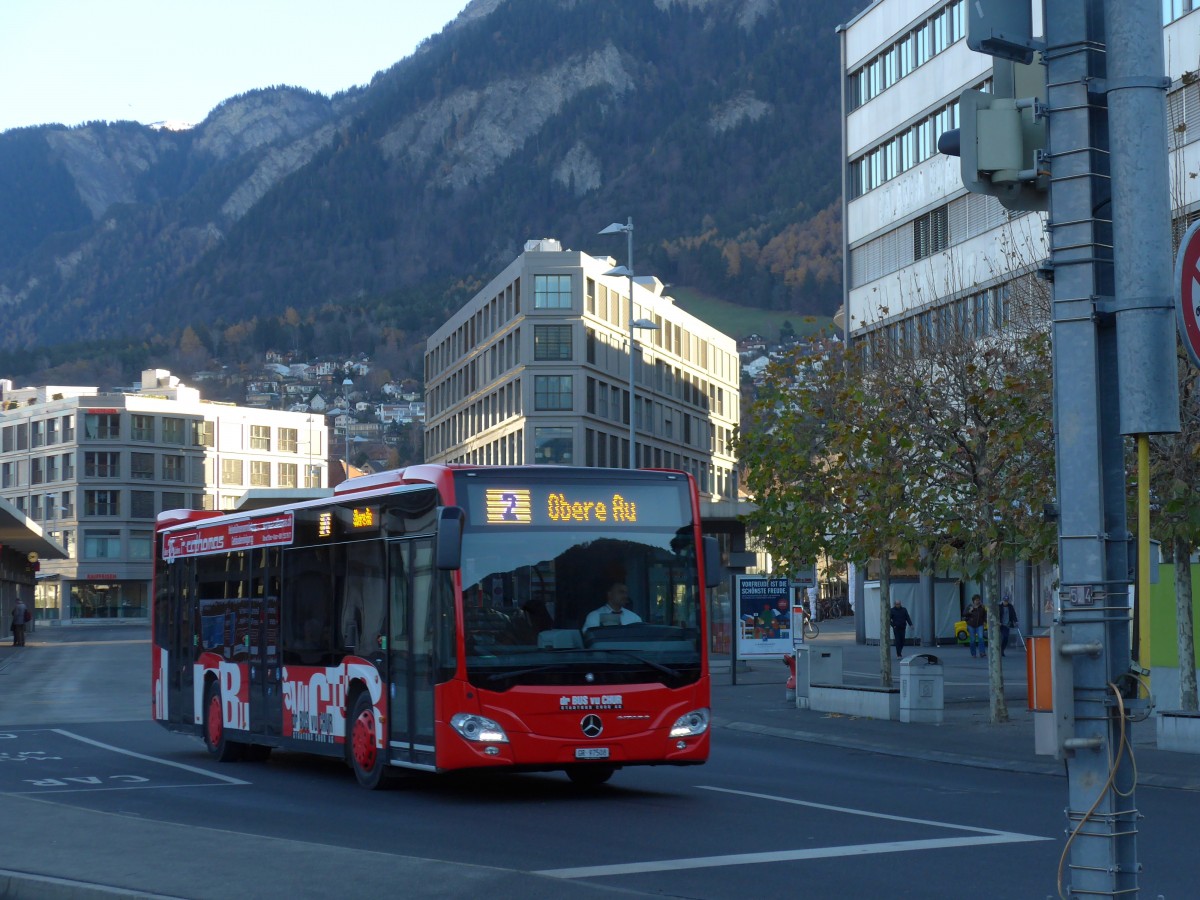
(922, 697)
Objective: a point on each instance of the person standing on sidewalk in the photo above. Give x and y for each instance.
(900, 620)
(975, 618)
(20, 614)
(1007, 614)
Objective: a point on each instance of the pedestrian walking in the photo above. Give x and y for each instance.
(20, 615)
(900, 620)
(1007, 614)
(976, 618)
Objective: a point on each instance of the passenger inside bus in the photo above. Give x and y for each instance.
(615, 610)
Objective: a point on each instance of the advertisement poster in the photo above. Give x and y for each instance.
(764, 617)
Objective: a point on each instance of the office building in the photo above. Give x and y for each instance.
(535, 369)
(93, 469)
(919, 249)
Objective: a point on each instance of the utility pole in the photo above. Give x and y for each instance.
(1103, 171)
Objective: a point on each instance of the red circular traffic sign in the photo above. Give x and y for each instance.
(1187, 292)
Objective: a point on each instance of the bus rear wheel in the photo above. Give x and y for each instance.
(590, 776)
(364, 757)
(218, 745)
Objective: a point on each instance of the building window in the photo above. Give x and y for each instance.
(101, 503)
(102, 465)
(173, 468)
(37, 432)
(231, 471)
(8, 477)
(260, 473)
(36, 471)
(68, 466)
(141, 428)
(141, 465)
(931, 233)
(552, 291)
(102, 426)
(141, 545)
(174, 500)
(141, 504)
(552, 392)
(289, 440)
(172, 430)
(204, 434)
(312, 476)
(260, 437)
(52, 431)
(68, 427)
(288, 473)
(68, 504)
(101, 544)
(552, 446)
(552, 342)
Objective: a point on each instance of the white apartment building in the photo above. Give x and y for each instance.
(920, 253)
(93, 469)
(535, 369)
(917, 246)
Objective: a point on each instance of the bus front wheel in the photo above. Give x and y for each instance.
(361, 752)
(215, 741)
(589, 776)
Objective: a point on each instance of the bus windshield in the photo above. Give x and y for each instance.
(562, 607)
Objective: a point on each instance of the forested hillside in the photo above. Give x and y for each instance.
(287, 216)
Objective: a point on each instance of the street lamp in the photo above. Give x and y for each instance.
(627, 228)
(347, 384)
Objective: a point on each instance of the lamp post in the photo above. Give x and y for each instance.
(615, 228)
(347, 384)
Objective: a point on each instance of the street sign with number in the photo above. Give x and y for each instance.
(1187, 292)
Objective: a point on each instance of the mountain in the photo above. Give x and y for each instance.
(713, 123)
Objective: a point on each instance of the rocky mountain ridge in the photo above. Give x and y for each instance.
(712, 122)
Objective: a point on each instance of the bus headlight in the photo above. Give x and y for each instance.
(690, 724)
(482, 729)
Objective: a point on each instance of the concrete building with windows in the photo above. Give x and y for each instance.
(922, 255)
(93, 469)
(919, 249)
(535, 369)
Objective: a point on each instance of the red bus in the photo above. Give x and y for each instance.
(444, 618)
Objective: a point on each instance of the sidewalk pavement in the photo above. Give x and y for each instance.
(756, 703)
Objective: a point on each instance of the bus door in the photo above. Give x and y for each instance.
(411, 642)
(266, 702)
(178, 597)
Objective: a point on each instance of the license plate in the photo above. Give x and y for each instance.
(591, 753)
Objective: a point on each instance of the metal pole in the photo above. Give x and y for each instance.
(1109, 343)
(632, 389)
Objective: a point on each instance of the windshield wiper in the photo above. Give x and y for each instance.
(516, 673)
(666, 670)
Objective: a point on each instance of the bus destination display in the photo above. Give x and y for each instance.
(577, 505)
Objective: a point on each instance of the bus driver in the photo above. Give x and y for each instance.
(615, 610)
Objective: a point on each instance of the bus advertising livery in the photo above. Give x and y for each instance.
(444, 618)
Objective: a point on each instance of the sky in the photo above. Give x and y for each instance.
(73, 61)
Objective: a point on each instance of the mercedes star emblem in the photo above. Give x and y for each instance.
(592, 726)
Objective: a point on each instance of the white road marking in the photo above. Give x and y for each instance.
(153, 759)
(978, 837)
(127, 787)
(745, 859)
